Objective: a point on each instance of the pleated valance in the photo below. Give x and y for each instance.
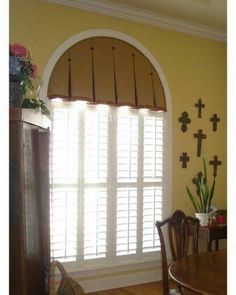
(107, 70)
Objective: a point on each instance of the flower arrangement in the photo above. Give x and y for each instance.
(24, 72)
(20, 63)
(204, 192)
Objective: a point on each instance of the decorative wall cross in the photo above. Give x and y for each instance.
(200, 136)
(214, 119)
(215, 164)
(184, 119)
(184, 159)
(199, 105)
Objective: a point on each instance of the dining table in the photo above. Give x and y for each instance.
(203, 273)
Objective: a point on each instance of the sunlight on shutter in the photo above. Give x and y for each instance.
(63, 225)
(96, 128)
(95, 223)
(106, 174)
(127, 148)
(152, 211)
(64, 146)
(152, 171)
(126, 233)
(64, 174)
(153, 149)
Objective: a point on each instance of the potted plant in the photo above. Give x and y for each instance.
(201, 200)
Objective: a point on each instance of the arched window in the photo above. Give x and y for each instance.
(107, 154)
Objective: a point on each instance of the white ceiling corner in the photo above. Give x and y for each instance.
(182, 15)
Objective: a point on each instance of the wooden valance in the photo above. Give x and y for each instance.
(107, 70)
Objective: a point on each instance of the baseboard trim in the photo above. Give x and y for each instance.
(121, 280)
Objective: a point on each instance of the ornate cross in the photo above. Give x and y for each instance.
(200, 136)
(215, 164)
(214, 119)
(184, 119)
(184, 159)
(199, 105)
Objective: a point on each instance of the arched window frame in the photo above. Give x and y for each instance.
(167, 139)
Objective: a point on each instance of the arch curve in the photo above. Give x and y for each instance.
(102, 33)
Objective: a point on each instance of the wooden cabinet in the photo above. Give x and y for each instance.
(29, 202)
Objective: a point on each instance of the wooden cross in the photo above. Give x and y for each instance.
(184, 119)
(214, 119)
(184, 159)
(199, 105)
(200, 136)
(215, 164)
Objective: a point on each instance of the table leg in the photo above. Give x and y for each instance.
(209, 245)
(216, 245)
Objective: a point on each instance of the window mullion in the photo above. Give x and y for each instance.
(112, 185)
(140, 186)
(80, 189)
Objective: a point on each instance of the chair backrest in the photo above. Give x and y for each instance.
(67, 286)
(179, 228)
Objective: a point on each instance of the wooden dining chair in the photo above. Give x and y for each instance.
(67, 285)
(180, 230)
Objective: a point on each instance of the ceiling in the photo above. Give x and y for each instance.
(211, 13)
(205, 18)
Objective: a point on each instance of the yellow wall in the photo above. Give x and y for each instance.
(194, 67)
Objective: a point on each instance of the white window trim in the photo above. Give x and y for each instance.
(167, 119)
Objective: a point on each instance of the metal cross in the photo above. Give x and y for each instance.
(215, 164)
(184, 119)
(200, 136)
(199, 105)
(184, 159)
(214, 119)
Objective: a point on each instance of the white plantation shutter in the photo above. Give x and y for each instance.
(64, 160)
(127, 148)
(95, 223)
(126, 232)
(106, 175)
(96, 129)
(152, 210)
(152, 175)
(95, 172)
(153, 142)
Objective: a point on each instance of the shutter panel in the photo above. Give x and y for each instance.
(152, 172)
(81, 156)
(152, 211)
(127, 148)
(153, 148)
(95, 171)
(96, 140)
(126, 232)
(64, 174)
(64, 147)
(95, 223)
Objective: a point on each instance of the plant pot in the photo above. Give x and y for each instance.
(220, 219)
(204, 218)
(15, 92)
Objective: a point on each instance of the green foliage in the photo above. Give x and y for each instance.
(35, 104)
(204, 192)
